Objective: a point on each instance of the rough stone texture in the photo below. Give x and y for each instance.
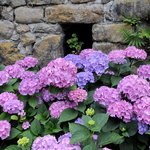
(47, 28)
(7, 13)
(107, 47)
(81, 1)
(38, 2)
(9, 53)
(27, 38)
(16, 3)
(105, 1)
(138, 8)
(6, 29)
(4, 2)
(74, 13)
(57, 1)
(22, 28)
(109, 32)
(28, 15)
(48, 48)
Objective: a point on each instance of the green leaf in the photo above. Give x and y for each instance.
(13, 147)
(14, 117)
(105, 78)
(108, 137)
(33, 101)
(81, 107)
(85, 120)
(132, 127)
(29, 135)
(41, 109)
(55, 90)
(73, 87)
(2, 67)
(14, 132)
(16, 85)
(4, 116)
(89, 99)
(6, 87)
(12, 81)
(35, 127)
(126, 146)
(68, 114)
(115, 80)
(139, 63)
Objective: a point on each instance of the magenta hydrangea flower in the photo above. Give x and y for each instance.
(25, 125)
(135, 53)
(14, 71)
(115, 55)
(27, 74)
(121, 109)
(106, 95)
(7, 96)
(4, 77)
(142, 109)
(13, 107)
(144, 71)
(77, 95)
(86, 53)
(5, 128)
(48, 142)
(56, 108)
(29, 86)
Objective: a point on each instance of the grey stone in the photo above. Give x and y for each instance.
(27, 15)
(29, 50)
(6, 29)
(7, 13)
(22, 28)
(57, 1)
(68, 13)
(105, 1)
(109, 32)
(4, 2)
(81, 1)
(38, 2)
(16, 3)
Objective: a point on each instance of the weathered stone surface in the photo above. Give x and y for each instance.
(28, 15)
(47, 28)
(7, 13)
(16, 3)
(9, 53)
(81, 1)
(68, 13)
(109, 32)
(57, 1)
(22, 28)
(105, 1)
(4, 2)
(138, 8)
(107, 47)
(27, 38)
(38, 2)
(6, 29)
(47, 49)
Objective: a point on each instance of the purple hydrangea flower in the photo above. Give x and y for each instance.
(84, 54)
(144, 71)
(27, 74)
(62, 95)
(47, 96)
(4, 77)
(142, 128)
(25, 125)
(79, 121)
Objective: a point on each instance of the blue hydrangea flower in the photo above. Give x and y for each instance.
(142, 128)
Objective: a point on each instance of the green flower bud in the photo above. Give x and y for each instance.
(123, 129)
(91, 122)
(23, 141)
(90, 111)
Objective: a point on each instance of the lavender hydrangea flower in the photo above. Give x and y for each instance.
(142, 128)
(144, 71)
(84, 54)
(47, 96)
(5, 128)
(4, 77)
(25, 125)
(79, 121)
(83, 78)
(27, 74)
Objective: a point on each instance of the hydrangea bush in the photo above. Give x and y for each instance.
(90, 101)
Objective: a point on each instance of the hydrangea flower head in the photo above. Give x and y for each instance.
(5, 128)
(4, 77)
(27, 74)
(134, 87)
(25, 125)
(23, 141)
(121, 109)
(144, 71)
(47, 96)
(142, 128)
(86, 53)
(106, 95)
(77, 95)
(135, 53)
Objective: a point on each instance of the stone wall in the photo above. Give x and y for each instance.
(33, 27)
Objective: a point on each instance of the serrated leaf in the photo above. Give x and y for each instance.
(85, 120)
(13, 147)
(2, 67)
(33, 101)
(115, 80)
(35, 127)
(14, 132)
(12, 81)
(81, 107)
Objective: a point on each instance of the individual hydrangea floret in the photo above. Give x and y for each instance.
(135, 53)
(144, 71)
(56, 108)
(22, 113)
(77, 95)
(109, 72)
(13, 107)
(83, 78)
(76, 59)
(4, 77)
(48, 142)
(86, 53)
(5, 128)
(116, 55)
(29, 86)
(7, 96)
(134, 87)
(79, 121)
(121, 109)
(97, 62)
(14, 71)
(142, 109)
(25, 125)
(106, 95)
(142, 128)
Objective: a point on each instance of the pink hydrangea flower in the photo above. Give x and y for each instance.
(13, 107)
(22, 113)
(134, 87)
(7, 96)
(25, 125)
(106, 95)
(5, 128)
(27, 74)
(135, 53)
(142, 109)
(121, 109)
(57, 108)
(144, 71)
(4, 77)
(77, 95)
(86, 53)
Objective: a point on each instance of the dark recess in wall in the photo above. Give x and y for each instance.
(83, 31)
